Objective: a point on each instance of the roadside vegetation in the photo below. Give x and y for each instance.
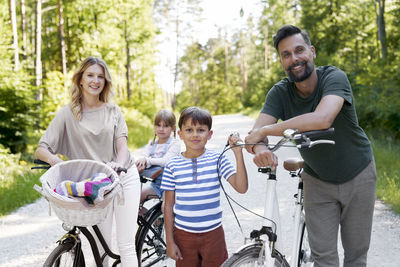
(387, 158)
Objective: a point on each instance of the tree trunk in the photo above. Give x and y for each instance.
(23, 27)
(226, 51)
(266, 51)
(173, 102)
(38, 48)
(243, 67)
(128, 63)
(382, 27)
(13, 18)
(62, 40)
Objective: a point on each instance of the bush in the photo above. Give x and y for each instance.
(15, 182)
(9, 165)
(140, 128)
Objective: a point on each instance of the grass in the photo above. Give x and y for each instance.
(387, 159)
(19, 191)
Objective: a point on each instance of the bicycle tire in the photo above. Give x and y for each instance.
(249, 256)
(304, 259)
(64, 255)
(150, 249)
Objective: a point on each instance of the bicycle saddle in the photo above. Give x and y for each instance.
(293, 164)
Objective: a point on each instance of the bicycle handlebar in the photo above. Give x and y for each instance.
(46, 165)
(303, 139)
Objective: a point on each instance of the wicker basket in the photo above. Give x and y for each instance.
(76, 211)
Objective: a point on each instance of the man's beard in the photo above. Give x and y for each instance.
(309, 68)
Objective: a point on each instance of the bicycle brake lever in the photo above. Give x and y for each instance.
(328, 142)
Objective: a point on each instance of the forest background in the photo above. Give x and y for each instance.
(43, 41)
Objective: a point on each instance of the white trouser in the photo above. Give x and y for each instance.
(125, 219)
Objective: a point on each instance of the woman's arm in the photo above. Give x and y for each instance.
(46, 156)
(122, 153)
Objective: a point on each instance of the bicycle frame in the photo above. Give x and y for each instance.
(271, 212)
(299, 220)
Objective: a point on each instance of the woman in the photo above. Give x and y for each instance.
(92, 128)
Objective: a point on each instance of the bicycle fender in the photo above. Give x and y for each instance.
(247, 246)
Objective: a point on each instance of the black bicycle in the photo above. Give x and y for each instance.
(150, 239)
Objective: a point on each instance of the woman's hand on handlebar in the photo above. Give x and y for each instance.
(116, 166)
(264, 157)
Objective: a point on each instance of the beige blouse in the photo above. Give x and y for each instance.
(94, 137)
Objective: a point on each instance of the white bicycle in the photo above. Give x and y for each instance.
(261, 250)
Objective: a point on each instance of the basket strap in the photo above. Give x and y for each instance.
(40, 190)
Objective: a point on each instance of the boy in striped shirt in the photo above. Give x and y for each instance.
(192, 211)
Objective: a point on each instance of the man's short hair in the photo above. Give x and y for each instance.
(198, 116)
(289, 30)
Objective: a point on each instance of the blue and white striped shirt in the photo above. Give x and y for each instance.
(195, 181)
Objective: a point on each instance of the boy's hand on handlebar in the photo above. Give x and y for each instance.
(234, 139)
(264, 157)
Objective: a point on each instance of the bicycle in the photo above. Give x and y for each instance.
(262, 252)
(150, 239)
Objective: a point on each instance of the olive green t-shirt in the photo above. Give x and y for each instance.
(352, 151)
(93, 137)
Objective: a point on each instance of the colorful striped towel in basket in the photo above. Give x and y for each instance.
(92, 189)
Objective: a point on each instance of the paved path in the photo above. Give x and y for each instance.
(28, 235)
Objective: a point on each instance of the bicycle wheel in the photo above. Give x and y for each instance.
(151, 246)
(250, 257)
(305, 258)
(65, 255)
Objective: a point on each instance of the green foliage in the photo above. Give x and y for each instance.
(387, 159)
(54, 97)
(205, 80)
(17, 103)
(140, 128)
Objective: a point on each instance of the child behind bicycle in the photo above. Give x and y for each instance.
(157, 152)
(192, 212)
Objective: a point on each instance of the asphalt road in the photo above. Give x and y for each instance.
(28, 235)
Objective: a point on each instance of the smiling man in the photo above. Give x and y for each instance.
(339, 180)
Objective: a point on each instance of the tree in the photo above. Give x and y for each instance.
(62, 41)
(38, 49)
(381, 27)
(13, 18)
(177, 16)
(23, 27)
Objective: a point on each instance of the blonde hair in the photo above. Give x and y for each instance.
(76, 90)
(168, 117)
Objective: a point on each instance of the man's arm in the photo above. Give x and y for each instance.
(322, 118)
(263, 120)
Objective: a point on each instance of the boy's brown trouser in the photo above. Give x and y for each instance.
(201, 249)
